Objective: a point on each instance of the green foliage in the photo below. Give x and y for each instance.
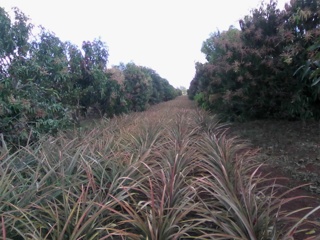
(310, 75)
(26, 109)
(94, 82)
(138, 87)
(158, 91)
(252, 72)
(144, 87)
(169, 91)
(200, 99)
(47, 84)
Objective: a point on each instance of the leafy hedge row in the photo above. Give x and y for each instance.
(46, 84)
(267, 69)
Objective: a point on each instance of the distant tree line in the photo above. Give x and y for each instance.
(269, 68)
(47, 84)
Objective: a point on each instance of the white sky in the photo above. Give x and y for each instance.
(165, 35)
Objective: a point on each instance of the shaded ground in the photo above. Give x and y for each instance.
(289, 146)
(290, 150)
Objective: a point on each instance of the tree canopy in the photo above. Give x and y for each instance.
(266, 69)
(47, 84)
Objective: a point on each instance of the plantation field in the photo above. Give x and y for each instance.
(171, 172)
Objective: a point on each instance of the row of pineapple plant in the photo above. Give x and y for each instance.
(172, 172)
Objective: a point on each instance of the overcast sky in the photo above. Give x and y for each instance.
(165, 35)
